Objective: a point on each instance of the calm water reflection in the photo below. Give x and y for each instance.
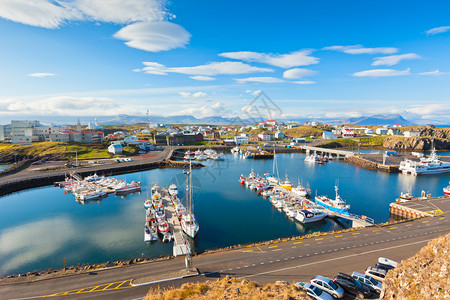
(40, 227)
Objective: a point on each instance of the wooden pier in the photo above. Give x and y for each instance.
(180, 246)
(420, 207)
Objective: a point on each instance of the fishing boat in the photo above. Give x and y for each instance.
(173, 190)
(286, 184)
(94, 177)
(188, 222)
(163, 227)
(301, 191)
(235, 150)
(428, 165)
(189, 155)
(447, 190)
(160, 214)
(242, 179)
(175, 200)
(201, 157)
(148, 204)
(218, 157)
(310, 215)
(147, 235)
(312, 158)
(90, 195)
(291, 212)
(180, 210)
(404, 197)
(129, 188)
(337, 205)
(167, 237)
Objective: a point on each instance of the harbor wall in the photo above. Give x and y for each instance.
(367, 164)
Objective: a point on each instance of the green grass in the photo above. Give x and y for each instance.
(373, 140)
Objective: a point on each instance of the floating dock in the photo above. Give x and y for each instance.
(420, 207)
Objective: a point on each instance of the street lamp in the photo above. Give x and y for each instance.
(15, 159)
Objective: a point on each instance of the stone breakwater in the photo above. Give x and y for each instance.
(367, 164)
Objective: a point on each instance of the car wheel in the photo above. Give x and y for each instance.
(335, 296)
(360, 296)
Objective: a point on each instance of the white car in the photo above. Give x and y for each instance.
(368, 280)
(328, 286)
(313, 291)
(376, 273)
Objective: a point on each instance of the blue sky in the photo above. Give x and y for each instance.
(315, 59)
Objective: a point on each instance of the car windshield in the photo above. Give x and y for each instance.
(333, 285)
(372, 280)
(316, 290)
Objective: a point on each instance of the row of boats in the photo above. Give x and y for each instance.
(318, 159)
(200, 155)
(94, 187)
(294, 200)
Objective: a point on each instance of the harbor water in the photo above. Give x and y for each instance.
(41, 227)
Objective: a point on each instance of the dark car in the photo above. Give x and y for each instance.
(350, 285)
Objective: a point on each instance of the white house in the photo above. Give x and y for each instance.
(368, 131)
(328, 135)
(60, 137)
(279, 135)
(115, 149)
(394, 131)
(241, 140)
(381, 131)
(411, 133)
(129, 139)
(265, 137)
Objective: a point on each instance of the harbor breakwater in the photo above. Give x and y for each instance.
(367, 164)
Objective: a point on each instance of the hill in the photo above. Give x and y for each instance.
(228, 288)
(423, 276)
(380, 120)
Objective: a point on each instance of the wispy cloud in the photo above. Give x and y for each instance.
(193, 95)
(293, 59)
(260, 79)
(154, 36)
(211, 69)
(438, 30)
(40, 75)
(434, 73)
(217, 109)
(393, 59)
(298, 73)
(359, 49)
(203, 78)
(381, 73)
(304, 82)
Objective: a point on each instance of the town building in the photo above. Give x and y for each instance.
(241, 140)
(347, 133)
(394, 131)
(381, 131)
(265, 136)
(368, 131)
(115, 149)
(94, 125)
(280, 135)
(5, 132)
(411, 133)
(328, 135)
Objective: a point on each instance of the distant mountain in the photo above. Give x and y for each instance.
(380, 120)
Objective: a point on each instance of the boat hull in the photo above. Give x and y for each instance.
(344, 211)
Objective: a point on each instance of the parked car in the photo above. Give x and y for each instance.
(68, 164)
(377, 273)
(36, 163)
(92, 162)
(328, 286)
(386, 264)
(117, 160)
(100, 162)
(350, 285)
(313, 291)
(373, 285)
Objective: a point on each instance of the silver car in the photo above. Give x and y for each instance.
(376, 273)
(313, 291)
(328, 286)
(368, 280)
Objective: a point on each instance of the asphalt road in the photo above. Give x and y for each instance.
(291, 260)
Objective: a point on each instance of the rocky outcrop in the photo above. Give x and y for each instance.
(415, 143)
(423, 276)
(437, 133)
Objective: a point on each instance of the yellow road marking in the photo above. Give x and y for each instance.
(79, 291)
(338, 235)
(375, 230)
(108, 286)
(354, 233)
(409, 225)
(442, 218)
(120, 284)
(273, 246)
(249, 246)
(393, 227)
(297, 243)
(319, 239)
(424, 221)
(259, 249)
(275, 242)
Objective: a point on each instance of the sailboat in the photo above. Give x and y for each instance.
(188, 222)
(271, 177)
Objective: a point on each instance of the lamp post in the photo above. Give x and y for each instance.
(15, 159)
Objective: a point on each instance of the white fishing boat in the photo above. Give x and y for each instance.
(301, 191)
(310, 215)
(336, 205)
(173, 190)
(94, 177)
(147, 235)
(291, 212)
(447, 190)
(188, 222)
(90, 195)
(163, 227)
(167, 237)
(129, 188)
(313, 158)
(429, 165)
(235, 150)
(160, 214)
(180, 210)
(188, 156)
(148, 204)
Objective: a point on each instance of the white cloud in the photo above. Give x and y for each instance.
(381, 73)
(217, 109)
(304, 82)
(193, 95)
(39, 75)
(435, 73)
(154, 36)
(260, 79)
(298, 73)
(211, 69)
(359, 49)
(393, 59)
(54, 13)
(437, 30)
(203, 78)
(294, 59)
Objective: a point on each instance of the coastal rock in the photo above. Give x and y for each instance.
(423, 276)
(415, 143)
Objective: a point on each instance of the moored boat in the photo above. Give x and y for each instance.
(337, 205)
(173, 190)
(310, 215)
(163, 227)
(447, 190)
